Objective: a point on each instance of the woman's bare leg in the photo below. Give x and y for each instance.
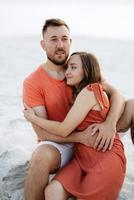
(55, 191)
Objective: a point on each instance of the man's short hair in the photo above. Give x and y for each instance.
(53, 22)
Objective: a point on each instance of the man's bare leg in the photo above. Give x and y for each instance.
(127, 119)
(45, 159)
(55, 191)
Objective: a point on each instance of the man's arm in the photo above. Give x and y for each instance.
(84, 138)
(75, 137)
(127, 117)
(117, 103)
(107, 130)
(32, 97)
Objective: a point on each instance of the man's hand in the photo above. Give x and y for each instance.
(29, 113)
(106, 134)
(85, 137)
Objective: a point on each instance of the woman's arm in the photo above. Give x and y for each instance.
(82, 105)
(76, 137)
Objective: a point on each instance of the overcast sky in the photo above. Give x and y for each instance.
(100, 18)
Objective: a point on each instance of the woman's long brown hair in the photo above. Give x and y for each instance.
(91, 69)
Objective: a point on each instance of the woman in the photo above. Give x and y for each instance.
(91, 174)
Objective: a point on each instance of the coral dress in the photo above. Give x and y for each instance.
(92, 174)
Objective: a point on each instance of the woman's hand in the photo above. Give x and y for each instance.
(29, 113)
(106, 133)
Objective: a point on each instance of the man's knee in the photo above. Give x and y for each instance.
(47, 157)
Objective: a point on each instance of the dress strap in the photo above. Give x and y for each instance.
(101, 97)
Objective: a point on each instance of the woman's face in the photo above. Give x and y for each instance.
(74, 73)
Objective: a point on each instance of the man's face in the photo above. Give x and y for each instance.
(56, 43)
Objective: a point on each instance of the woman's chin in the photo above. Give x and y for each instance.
(70, 83)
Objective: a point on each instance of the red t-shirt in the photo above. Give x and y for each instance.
(40, 88)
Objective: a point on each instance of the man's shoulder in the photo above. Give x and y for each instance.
(34, 76)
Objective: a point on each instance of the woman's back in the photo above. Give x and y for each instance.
(96, 116)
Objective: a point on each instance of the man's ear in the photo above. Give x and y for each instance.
(70, 40)
(42, 43)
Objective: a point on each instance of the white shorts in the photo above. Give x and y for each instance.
(66, 150)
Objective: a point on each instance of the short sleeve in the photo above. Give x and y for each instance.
(32, 95)
(100, 94)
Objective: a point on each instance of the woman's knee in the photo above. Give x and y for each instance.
(55, 190)
(51, 189)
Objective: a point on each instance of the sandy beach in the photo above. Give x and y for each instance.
(19, 57)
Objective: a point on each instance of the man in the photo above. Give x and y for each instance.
(46, 92)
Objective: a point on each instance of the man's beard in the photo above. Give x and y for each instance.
(58, 61)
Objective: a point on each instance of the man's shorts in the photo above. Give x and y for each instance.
(66, 150)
